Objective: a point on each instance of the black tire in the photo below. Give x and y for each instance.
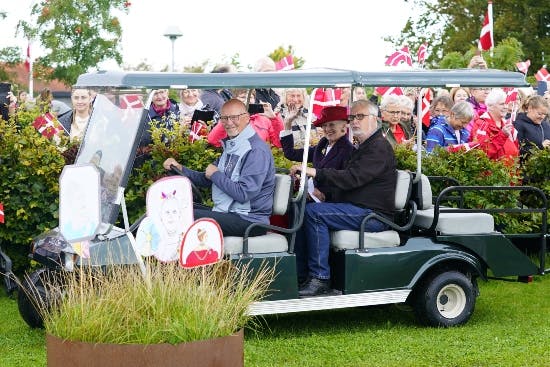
(35, 296)
(444, 300)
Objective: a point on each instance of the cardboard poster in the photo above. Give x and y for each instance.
(169, 215)
(202, 244)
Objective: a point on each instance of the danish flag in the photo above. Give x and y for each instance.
(422, 52)
(486, 37)
(197, 132)
(426, 101)
(286, 63)
(131, 101)
(325, 97)
(1, 213)
(386, 91)
(399, 57)
(542, 74)
(512, 97)
(47, 125)
(523, 66)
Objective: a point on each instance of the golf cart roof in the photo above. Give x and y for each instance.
(304, 78)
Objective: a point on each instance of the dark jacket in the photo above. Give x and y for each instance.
(530, 133)
(368, 179)
(336, 158)
(66, 121)
(215, 99)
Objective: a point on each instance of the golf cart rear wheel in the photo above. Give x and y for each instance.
(447, 299)
(36, 295)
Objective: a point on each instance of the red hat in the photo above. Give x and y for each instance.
(332, 113)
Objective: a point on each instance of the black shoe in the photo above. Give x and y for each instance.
(303, 282)
(315, 287)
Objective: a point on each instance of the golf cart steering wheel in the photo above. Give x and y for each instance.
(197, 195)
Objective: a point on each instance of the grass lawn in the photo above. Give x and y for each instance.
(510, 327)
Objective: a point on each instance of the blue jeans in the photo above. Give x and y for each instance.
(320, 219)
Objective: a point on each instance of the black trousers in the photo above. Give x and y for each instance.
(230, 223)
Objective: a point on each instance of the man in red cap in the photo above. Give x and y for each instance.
(365, 185)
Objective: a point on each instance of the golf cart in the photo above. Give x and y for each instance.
(430, 258)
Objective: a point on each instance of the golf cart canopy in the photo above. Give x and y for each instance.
(304, 78)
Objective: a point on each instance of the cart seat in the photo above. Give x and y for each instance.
(270, 242)
(347, 239)
(449, 223)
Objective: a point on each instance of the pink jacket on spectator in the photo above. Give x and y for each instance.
(266, 128)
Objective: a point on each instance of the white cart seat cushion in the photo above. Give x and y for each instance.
(403, 189)
(270, 242)
(281, 196)
(346, 240)
(456, 223)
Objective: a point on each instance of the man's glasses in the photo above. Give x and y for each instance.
(395, 113)
(359, 116)
(233, 118)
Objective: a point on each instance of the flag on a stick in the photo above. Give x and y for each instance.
(197, 132)
(486, 36)
(286, 63)
(422, 53)
(400, 57)
(1, 213)
(28, 59)
(386, 91)
(47, 125)
(542, 75)
(325, 97)
(425, 113)
(523, 66)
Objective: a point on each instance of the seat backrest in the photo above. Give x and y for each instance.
(423, 193)
(281, 197)
(403, 189)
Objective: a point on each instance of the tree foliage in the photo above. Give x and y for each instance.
(77, 35)
(455, 27)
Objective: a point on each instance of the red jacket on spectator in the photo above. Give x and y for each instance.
(492, 140)
(266, 128)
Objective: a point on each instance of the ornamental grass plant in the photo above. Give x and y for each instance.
(168, 305)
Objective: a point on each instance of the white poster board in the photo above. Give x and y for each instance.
(169, 215)
(79, 202)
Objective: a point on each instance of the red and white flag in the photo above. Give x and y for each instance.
(286, 63)
(425, 113)
(422, 53)
(47, 125)
(386, 91)
(542, 75)
(400, 57)
(131, 101)
(197, 132)
(28, 59)
(512, 98)
(523, 66)
(1, 213)
(325, 97)
(486, 37)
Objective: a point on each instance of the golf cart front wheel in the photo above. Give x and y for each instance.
(36, 295)
(447, 299)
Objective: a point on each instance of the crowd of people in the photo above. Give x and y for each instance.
(353, 168)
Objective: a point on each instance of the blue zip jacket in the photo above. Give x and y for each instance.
(443, 134)
(245, 182)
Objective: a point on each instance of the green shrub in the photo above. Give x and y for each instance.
(475, 168)
(30, 166)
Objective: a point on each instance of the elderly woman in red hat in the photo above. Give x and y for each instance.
(332, 151)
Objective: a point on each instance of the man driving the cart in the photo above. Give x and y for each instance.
(242, 179)
(365, 185)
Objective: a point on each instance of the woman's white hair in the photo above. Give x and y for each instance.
(495, 96)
